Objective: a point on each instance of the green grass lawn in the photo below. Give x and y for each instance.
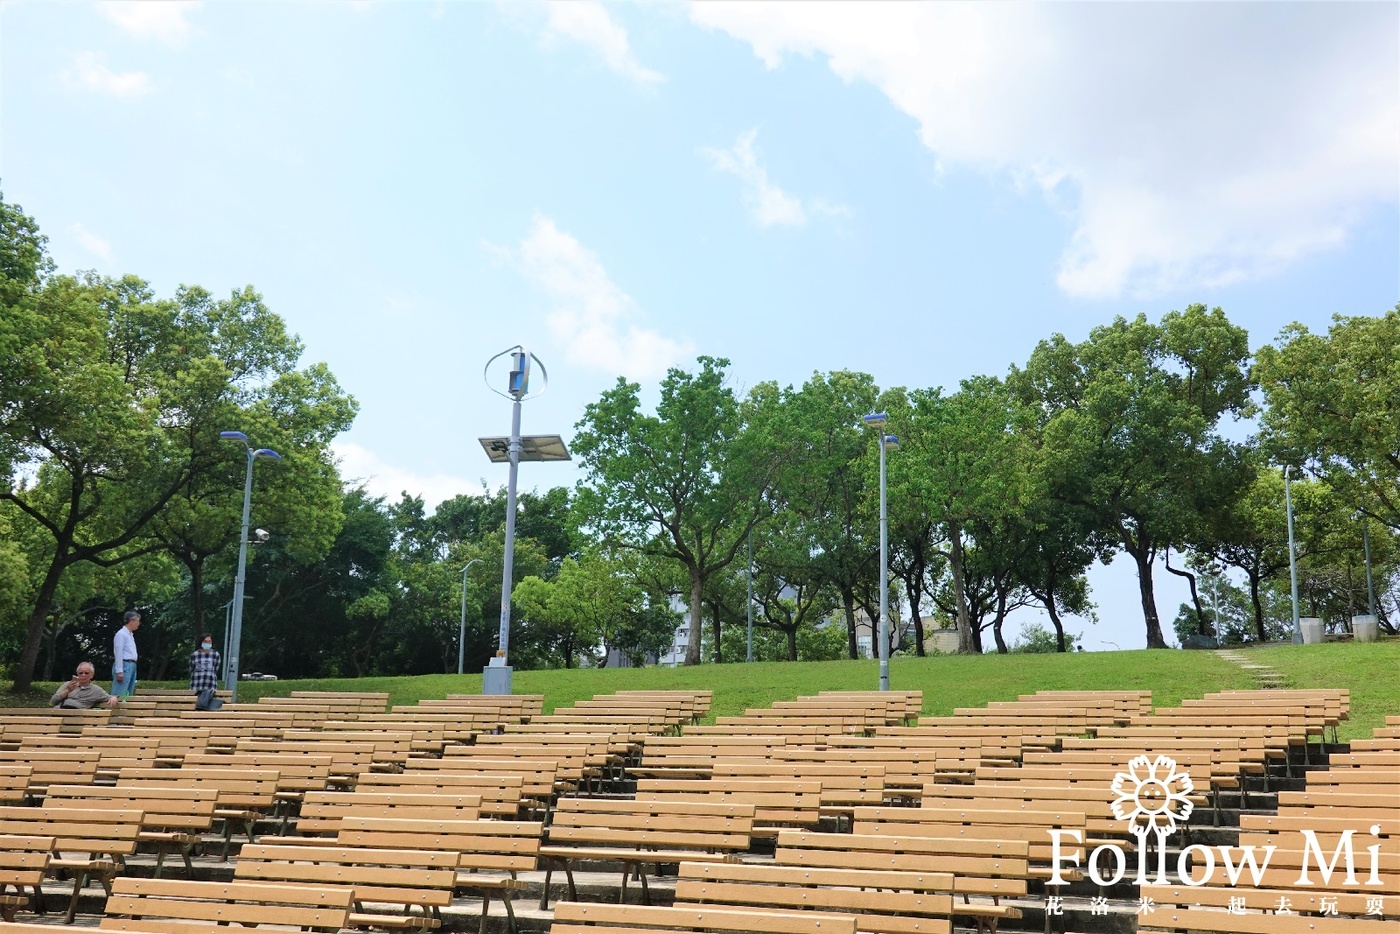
(948, 681)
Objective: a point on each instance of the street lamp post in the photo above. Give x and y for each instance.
(1370, 585)
(236, 626)
(877, 420)
(462, 631)
(496, 678)
(750, 603)
(1292, 556)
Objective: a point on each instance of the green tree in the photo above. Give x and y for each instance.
(112, 401)
(295, 412)
(1333, 405)
(686, 484)
(1128, 424)
(963, 453)
(828, 484)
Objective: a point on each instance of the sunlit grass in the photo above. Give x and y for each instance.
(948, 681)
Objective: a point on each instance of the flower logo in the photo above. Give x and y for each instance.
(1152, 796)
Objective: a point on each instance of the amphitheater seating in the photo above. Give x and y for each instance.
(88, 843)
(173, 818)
(635, 833)
(173, 905)
(592, 918)
(24, 861)
(418, 881)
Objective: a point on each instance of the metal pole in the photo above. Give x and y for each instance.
(1292, 557)
(750, 603)
(228, 633)
(236, 628)
(503, 646)
(884, 576)
(462, 631)
(1370, 586)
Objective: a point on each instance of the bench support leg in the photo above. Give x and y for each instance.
(510, 913)
(485, 908)
(78, 884)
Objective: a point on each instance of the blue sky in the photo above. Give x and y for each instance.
(921, 192)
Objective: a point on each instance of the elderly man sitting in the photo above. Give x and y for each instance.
(80, 693)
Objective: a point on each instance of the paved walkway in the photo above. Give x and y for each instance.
(1265, 676)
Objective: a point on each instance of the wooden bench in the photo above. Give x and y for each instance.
(776, 804)
(88, 843)
(500, 795)
(985, 871)
(52, 767)
(348, 759)
(173, 905)
(694, 755)
(593, 918)
(421, 881)
(635, 833)
(322, 811)
(490, 853)
(844, 785)
(886, 901)
(245, 796)
(24, 861)
(297, 773)
(1206, 919)
(980, 823)
(571, 766)
(14, 782)
(173, 818)
(538, 777)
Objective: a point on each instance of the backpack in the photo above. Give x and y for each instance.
(208, 701)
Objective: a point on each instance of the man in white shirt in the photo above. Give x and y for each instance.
(124, 656)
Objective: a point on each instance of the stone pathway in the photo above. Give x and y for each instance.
(1266, 677)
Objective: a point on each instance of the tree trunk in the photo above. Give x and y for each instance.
(914, 591)
(999, 621)
(1202, 626)
(1057, 623)
(697, 603)
(34, 628)
(792, 644)
(1258, 605)
(1142, 557)
(714, 612)
(848, 600)
(966, 643)
(196, 567)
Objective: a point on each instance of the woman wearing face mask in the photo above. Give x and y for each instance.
(204, 666)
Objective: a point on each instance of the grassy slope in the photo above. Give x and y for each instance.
(1372, 672)
(947, 681)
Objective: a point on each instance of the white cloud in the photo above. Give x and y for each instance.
(768, 203)
(360, 465)
(1191, 144)
(163, 20)
(593, 318)
(589, 23)
(92, 242)
(90, 73)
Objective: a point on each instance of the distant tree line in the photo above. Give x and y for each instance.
(1145, 441)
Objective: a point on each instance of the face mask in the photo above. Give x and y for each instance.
(207, 645)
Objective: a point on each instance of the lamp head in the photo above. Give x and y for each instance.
(875, 420)
(519, 382)
(267, 454)
(233, 436)
(891, 441)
